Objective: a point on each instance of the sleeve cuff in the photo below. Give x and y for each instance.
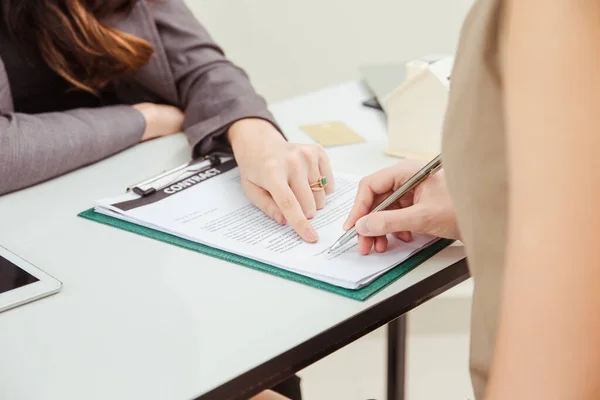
(210, 135)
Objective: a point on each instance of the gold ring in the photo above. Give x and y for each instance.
(319, 184)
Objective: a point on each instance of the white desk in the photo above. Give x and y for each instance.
(193, 322)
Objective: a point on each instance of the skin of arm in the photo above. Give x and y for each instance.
(548, 344)
(269, 395)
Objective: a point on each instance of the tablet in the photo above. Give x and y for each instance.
(21, 282)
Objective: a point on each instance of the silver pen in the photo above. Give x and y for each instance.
(431, 168)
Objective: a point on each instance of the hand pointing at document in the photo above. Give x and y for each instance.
(287, 181)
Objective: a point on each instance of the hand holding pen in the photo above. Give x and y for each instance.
(425, 208)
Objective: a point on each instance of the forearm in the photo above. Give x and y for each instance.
(34, 148)
(547, 346)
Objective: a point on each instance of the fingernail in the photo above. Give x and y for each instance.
(279, 218)
(361, 227)
(311, 235)
(346, 227)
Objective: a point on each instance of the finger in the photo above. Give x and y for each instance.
(404, 202)
(384, 222)
(263, 200)
(286, 200)
(404, 236)
(390, 178)
(365, 244)
(324, 165)
(320, 199)
(362, 204)
(381, 244)
(314, 176)
(304, 194)
(356, 213)
(369, 189)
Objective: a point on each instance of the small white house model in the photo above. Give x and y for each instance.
(416, 109)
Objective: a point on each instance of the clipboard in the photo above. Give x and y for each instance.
(166, 178)
(361, 294)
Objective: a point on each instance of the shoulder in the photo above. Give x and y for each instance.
(136, 12)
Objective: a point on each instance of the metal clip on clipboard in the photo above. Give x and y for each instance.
(146, 188)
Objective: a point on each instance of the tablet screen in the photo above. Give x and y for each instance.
(12, 277)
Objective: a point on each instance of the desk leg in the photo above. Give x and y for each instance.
(396, 344)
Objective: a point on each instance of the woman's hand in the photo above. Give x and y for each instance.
(276, 175)
(161, 120)
(427, 209)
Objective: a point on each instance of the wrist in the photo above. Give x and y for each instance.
(145, 109)
(251, 130)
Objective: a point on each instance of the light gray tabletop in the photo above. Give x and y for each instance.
(141, 319)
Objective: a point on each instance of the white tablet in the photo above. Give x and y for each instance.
(21, 282)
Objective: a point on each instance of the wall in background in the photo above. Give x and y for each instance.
(292, 47)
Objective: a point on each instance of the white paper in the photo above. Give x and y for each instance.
(216, 212)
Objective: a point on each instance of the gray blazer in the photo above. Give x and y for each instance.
(188, 70)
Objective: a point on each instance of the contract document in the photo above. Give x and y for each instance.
(211, 208)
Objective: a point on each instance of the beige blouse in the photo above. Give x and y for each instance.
(474, 157)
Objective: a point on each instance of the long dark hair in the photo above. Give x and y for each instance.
(74, 43)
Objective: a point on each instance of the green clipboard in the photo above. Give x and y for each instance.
(359, 294)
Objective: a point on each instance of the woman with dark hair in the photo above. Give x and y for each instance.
(81, 80)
